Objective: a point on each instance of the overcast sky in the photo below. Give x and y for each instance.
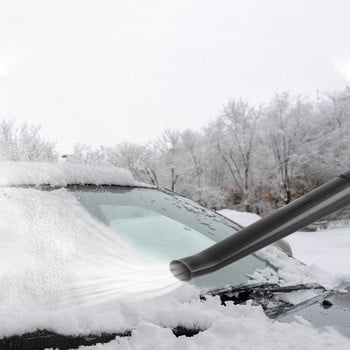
(102, 72)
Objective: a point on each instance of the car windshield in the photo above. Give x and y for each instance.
(164, 226)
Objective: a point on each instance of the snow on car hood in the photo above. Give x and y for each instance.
(239, 328)
(62, 174)
(49, 246)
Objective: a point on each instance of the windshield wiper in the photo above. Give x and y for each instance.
(263, 294)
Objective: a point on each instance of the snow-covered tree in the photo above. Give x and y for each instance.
(170, 157)
(24, 143)
(284, 132)
(253, 157)
(233, 135)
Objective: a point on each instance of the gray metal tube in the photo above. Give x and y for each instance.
(318, 203)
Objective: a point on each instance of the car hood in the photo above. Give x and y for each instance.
(307, 303)
(330, 309)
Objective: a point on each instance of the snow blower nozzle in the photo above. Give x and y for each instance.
(322, 201)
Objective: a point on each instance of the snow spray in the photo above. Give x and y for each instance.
(322, 201)
(55, 254)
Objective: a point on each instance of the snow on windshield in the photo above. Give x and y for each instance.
(62, 174)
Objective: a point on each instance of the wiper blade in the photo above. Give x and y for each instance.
(271, 287)
(260, 293)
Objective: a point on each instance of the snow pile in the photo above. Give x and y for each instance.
(242, 218)
(62, 174)
(238, 327)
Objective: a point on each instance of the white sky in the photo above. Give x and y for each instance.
(102, 72)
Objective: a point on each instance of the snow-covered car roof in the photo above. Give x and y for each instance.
(63, 174)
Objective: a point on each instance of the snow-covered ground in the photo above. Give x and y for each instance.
(328, 249)
(242, 218)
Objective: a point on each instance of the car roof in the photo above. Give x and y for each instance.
(62, 174)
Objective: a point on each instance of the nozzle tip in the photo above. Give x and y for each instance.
(180, 270)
